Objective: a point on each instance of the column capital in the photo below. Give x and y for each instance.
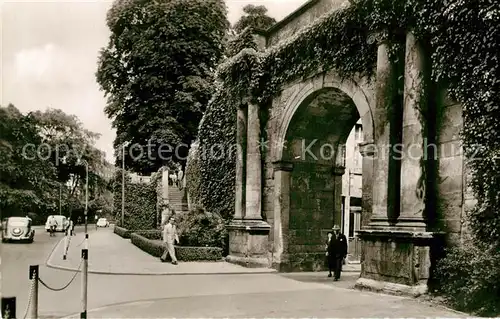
(367, 149)
(338, 170)
(378, 37)
(282, 166)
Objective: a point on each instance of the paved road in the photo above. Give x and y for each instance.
(252, 295)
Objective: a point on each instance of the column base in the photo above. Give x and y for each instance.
(249, 243)
(398, 261)
(414, 224)
(380, 223)
(391, 288)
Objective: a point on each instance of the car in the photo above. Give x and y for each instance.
(102, 222)
(17, 229)
(62, 223)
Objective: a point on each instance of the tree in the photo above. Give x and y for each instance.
(157, 73)
(255, 17)
(27, 180)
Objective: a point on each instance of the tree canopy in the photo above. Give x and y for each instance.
(39, 158)
(157, 73)
(255, 17)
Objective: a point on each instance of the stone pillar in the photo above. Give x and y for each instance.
(249, 237)
(367, 150)
(413, 179)
(241, 133)
(253, 193)
(338, 172)
(281, 213)
(165, 210)
(384, 93)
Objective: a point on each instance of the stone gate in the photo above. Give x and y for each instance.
(288, 194)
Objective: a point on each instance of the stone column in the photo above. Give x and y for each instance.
(367, 150)
(281, 211)
(253, 193)
(338, 172)
(384, 93)
(241, 133)
(413, 162)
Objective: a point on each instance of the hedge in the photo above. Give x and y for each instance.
(122, 232)
(140, 204)
(157, 247)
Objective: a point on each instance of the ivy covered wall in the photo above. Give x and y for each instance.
(140, 204)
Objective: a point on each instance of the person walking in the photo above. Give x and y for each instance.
(71, 227)
(52, 225)
(336, 252)
(180, 175)
(169, 237)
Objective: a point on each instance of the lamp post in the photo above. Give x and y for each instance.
(86, 199)
(123, 184)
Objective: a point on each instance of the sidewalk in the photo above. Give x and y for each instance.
(111, 254)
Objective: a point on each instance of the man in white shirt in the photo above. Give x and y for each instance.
(52, 225)
(169, 237)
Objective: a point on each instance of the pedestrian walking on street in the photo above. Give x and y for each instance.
(180, 175)
(336, 252)
(71, 227)
(169, 237)
(52, 225)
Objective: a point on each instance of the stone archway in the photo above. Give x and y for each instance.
(309, 166)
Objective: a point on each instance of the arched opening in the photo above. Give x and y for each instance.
(321, 142)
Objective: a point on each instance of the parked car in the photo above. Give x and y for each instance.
(17, 229)
(62, 223)
(102, 222)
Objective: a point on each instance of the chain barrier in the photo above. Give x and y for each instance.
(32, 288)
(67, 285)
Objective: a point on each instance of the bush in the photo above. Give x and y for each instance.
(470, 279)
(202, 229)
(157, 247)
(122, 232)
(140, 204)
(150, 234)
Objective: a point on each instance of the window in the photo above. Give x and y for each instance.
(358, 132)
(352, 220)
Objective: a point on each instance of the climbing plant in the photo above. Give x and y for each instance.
(462, 40)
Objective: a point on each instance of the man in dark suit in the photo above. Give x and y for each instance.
(337, 251)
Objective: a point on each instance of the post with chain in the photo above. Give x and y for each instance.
(66, 244)
(85, 265)
(8, 307)
(34, 275)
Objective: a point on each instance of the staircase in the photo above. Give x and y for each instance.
(177, 199)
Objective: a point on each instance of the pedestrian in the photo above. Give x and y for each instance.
(71, 227)
(174, 179)
(52, 225)
(180, 175)
(169, 237)
(336, 252)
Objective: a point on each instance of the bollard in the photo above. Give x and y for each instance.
(8, 307)
(66, 245)
(85, 265)
(34, 274)
(86, 244)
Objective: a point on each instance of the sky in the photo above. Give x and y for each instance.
(49, 52)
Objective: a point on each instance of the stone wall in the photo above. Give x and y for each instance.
(305, 15)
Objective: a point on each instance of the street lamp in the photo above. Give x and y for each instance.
(86, 196)
(123, 183)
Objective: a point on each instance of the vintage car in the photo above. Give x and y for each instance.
(17, 229)
(102, 222)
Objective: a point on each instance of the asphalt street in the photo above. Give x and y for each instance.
(233, 295)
